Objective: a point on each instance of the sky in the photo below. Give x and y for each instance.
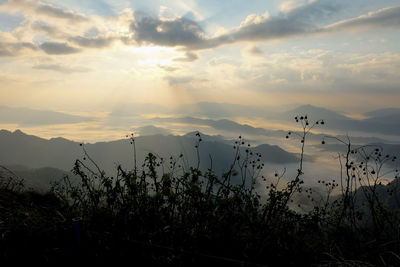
(94, 58)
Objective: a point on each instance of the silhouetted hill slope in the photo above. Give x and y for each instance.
(37, 179)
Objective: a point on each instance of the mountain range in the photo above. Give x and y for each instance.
(18, 148)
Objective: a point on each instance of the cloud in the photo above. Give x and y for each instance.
(383, 18)
(32, 117)
(223, 60)
(54, 48)
(255, 19)
(136, 109)
(168, 68)
(54, 32)
(152, 130)
(172, 80)
(298, 21)
(44, 27)
(187, 33)
(293, 20)
(56, 12)
(60, 68)
(10, 49)
(45, 9)
(189, 57)
(255, 51)
(289, 6)
(92, 42)
(175, 32)
(306, 20)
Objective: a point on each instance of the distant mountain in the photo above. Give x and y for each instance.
(221, 125)
(224, 125)
(275, 154)
(383, 112)
(152, 130)
(208, 138)
(223, 110)
(317, 113)
(18, 148)
(384, 121)
(26, 116)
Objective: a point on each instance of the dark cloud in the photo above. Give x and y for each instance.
(189, 57)
(178, 32)
(60, 68)
(92, 42)
(56, 12)
(54, 48)
(10, 49)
